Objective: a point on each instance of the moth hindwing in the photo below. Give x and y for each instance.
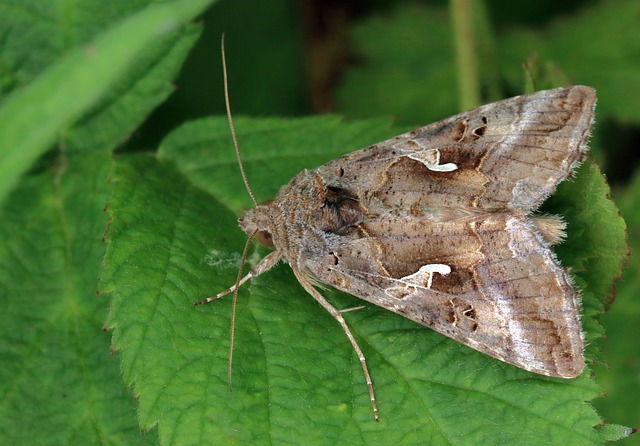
(437, 225)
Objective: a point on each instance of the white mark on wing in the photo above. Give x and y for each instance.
(428, 270)
(420, 279)
(431, 159)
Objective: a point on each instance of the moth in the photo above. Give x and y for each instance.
(439, 226)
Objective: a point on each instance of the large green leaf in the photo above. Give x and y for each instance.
(58, 383)
(622, 379)
(296, 378)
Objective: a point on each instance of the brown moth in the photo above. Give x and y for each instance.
(438, 225)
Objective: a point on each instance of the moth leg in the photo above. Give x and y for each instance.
(346, 310)
(308, 286)
(263, 265)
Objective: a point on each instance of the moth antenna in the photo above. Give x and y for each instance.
(233, 130)
(233, 306)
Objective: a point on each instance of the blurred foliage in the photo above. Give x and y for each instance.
(78, 83)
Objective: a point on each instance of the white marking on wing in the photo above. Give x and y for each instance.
(418, 279)
(424, 158)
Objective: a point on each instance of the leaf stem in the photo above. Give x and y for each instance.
(462, 17)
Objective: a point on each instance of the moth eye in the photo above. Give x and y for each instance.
(265, 238)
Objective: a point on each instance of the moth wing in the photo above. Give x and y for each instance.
(506, 155)
(492, 284)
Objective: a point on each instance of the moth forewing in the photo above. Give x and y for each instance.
(437, 225)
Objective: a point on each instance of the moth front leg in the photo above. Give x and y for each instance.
(308, 286)
(263, 265)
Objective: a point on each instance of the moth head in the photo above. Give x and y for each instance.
(257, 220)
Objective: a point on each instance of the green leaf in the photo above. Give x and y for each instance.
(596, 247)
(58, 383)
(615, 432)
(295, 376)
(622, 377)
(33, 116)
